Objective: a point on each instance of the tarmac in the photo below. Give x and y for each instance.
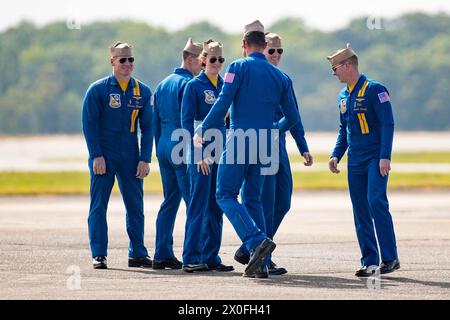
(44, 253)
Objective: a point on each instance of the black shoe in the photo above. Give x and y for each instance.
(142, 262)
(195, 267)
(241, 256)
(260, 273)
(366, 271)
(275, 270)
(99, 262)
(264, 249)
(389, 266)
(221, 268)
(167, 263)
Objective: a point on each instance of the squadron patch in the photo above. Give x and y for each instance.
(343, 105)
(114, 100)
(210, 98)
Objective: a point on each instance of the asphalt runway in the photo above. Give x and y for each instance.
(44, 253)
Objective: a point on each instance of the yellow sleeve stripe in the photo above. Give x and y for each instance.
(363, 123)
(363, 89)
(133, 120)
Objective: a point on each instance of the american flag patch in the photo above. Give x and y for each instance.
(229, 77)
(384, 97)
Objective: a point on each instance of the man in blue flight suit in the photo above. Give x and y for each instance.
(204, 219)
(167, 108)
(367, 130)
(277, 189)
(112, 108)
(255, 88)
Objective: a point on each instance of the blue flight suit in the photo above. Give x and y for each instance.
(255, 88)
(110, 128)
(204, 221)
(167, 109)
(277, 188)
(367, 130)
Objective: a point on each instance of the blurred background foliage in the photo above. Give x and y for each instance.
(46, 71)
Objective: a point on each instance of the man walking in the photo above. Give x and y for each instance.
(255, 89)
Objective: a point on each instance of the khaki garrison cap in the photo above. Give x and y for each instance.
(341, 55)
(212, 47)
(273, 40)
(193, 47)
(254, 26)
(121, 49)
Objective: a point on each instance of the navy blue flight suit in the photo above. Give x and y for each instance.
(167, 110)
(277, 188)
(204, 217)
(110, 119)
(254, 89)
(367, 130)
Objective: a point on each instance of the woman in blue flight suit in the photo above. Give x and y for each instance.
(203, 234)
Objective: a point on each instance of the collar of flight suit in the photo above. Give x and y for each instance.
(204, 79)
(183, 71)
(113, 81)
(358, 85)
(257, 55)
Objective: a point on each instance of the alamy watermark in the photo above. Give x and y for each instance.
(73, 22)
(74, 280)
(374, 281)
(251, 146)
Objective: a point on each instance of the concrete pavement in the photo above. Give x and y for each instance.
(44, 253)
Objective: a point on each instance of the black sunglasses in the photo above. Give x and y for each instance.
(130, 60)
(272, 51)
(214, 59)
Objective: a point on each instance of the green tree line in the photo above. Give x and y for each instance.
(45, 71)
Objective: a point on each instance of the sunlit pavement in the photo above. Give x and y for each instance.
(44, 253)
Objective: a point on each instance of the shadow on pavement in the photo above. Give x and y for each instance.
(330, 282)
(443, 285)
(178, 273)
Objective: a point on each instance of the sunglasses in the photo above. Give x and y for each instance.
(123, 60)
(272, 51)
(214, 59)
(336, 67)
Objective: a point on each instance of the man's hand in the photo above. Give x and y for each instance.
(198, 141)
(308, 159)
(204, 167)
(99, 166)
(332, 164)
(143, 169)
(385, 167)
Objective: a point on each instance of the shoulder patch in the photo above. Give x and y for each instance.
(383, 97)
(229, 77)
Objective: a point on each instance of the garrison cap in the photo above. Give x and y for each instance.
(273, 40)
(212, 47)
(193, 47)
(341, 55)
(254, 26)
(121, 49)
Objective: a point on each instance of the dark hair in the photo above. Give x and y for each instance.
(187, 54)
(352, 60)
(256, 39)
